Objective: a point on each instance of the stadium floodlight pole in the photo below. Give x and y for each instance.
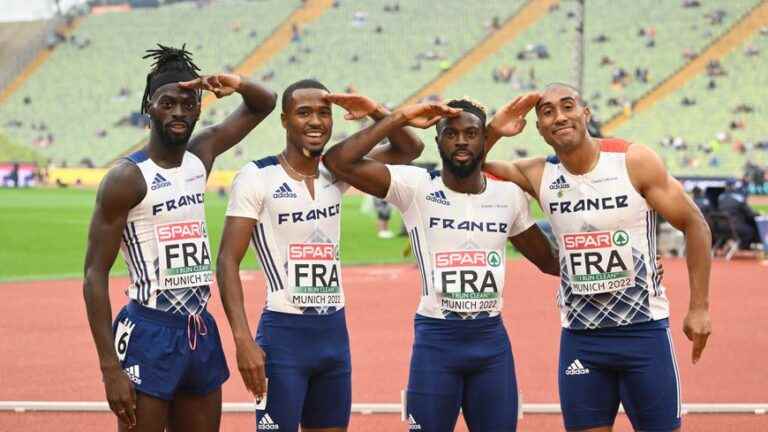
(578, 52)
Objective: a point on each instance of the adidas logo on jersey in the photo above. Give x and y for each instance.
(266, 423)
(133, 373)
(159, 182)
(559, 183)
(412, 425)
(576, 368)
(438, 197)
(284, 191)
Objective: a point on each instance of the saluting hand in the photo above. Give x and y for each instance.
(510, 119)
(425, 115)
(357, 106)
(222, 85)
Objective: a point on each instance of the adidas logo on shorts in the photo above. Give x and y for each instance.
(412, 425)
(438, 197)
(159, 182)
(133, 374)
(576, 368)
(559, 183)
(284, 191)
(266, 423)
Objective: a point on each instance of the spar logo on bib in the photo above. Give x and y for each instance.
(184, 254)
(599, 261)
(469, 280)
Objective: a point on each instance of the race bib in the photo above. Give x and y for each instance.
(123, 337)
(184, 255)
(469, 280)
(599, 262)
(314, 275)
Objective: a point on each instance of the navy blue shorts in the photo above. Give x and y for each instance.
(463, 364)
(154, 348)
(309, 371)
(634, 365)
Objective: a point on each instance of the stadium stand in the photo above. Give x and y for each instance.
(712, 128)
(360, 45)
(70, 109)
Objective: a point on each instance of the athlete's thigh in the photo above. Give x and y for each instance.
(490, 396)
(434, 393)
(286, 392)
(650, 390)
(329, 400)
(589, 388)
(195, 413)
(151, 415)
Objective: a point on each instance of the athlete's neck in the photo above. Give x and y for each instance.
(472, 184)
(164, 155)
(582, 158)
(299, 164)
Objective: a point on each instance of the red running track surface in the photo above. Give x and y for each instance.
(47, 352)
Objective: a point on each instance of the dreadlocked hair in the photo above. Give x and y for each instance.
(170, 65)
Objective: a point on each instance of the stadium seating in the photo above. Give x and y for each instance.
(712, 114)
(75, 94)
(389, 55)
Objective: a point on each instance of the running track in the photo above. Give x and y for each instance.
(47, 353)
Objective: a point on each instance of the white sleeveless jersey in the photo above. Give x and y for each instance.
(606, 234)
(165, 241)
(296, 237)
(459, 240)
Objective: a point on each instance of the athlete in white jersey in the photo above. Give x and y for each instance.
(459, 222)
(601, 197)
(161, 361)
(288, 208)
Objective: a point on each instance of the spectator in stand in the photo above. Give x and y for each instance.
(733, 203)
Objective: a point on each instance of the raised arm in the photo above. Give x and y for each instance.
(667, 196)
(250, 357)
(122, 188)
(403, 146)
(258, 103)
(509, 120)
(348, 161)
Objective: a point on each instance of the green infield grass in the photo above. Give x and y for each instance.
(44, 233)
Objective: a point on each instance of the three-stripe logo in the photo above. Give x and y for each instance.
(284, 191)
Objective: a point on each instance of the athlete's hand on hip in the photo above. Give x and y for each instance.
(510, 118)
(425, 115)
(222, 85)
(250, 362)
(697, 328)
(121, 395)
(357, 106)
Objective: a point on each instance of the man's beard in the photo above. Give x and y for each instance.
(463, 170)
(173, 140)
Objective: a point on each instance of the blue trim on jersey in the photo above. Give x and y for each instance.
(139, 282)
(134, 249)
(416, 246)
(433, 173)
(650, 233)
(265, 256)
(264, 263)
(142, 261)
(553, 159)
(267, 161)
(138, 157)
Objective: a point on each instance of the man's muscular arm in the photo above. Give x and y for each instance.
(122, 189)
(667, 196)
